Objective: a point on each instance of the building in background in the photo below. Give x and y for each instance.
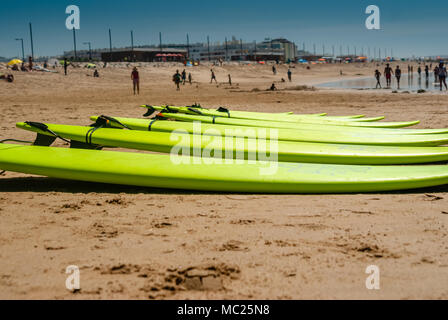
(279, 49)
(145, 55)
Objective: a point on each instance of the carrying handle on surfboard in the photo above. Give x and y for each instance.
(150, 111)
(222, 109)
(195, 111)
(103, 121)
(44, 127)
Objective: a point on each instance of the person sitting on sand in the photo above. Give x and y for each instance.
(135, 80)
(273, 87)
(15, 67)
(442, 76)
(23, 68)
(378, 77)
(177, 79)
(398, 75)
(96, 74)
(7, 77)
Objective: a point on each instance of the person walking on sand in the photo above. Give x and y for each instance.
(190, 79)
(388, 74)
(289, 75)
(442, 76)
(184, 77)
(378, 77)
(274, 70)
(177, 79)
(213, 76)
(65, 66)
(135, 80)
(426, 72)
(419, 71)
(230, 79)
(398, 76)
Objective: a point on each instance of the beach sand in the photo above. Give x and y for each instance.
(140, 243)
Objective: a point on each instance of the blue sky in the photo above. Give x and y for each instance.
(408, 27)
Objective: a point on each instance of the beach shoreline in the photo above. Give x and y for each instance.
(133, 243)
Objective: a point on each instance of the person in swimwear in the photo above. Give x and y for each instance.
(388, 74)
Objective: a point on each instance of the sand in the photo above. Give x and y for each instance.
(140, 243)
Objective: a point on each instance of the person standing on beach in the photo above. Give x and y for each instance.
(190, 79)
(30, 63)
(436, 74)
(388, 74)
(274, 70)
(378, 77)
(184, 77)
(230, 79)
(135, 80)
(419, 71)
(398, 76)
(65, 66)
(177, 79)
(213, 76)
(427, 72)
(442, 76)
(289, 75)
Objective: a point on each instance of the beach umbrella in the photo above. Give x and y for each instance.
(14, 61)
(321, 59)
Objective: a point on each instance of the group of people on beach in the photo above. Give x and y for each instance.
(440, 75)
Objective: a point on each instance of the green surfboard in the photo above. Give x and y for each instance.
(286, 134)
(244, 148)
(164, 171)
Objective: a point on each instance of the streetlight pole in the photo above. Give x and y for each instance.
(23, 51)
(132, 40)
(227, 50)
(208, 47)
(188, 46)
(74, 42)
(160, 40)
(32, 44)
(90, 49)
(110, 44)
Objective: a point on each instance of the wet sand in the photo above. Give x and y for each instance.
(141, 243)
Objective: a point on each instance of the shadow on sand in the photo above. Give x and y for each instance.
(44, 184)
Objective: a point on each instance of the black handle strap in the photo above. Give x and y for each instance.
(44, 127)
(150, 111)
(222, 109)
(195, 111)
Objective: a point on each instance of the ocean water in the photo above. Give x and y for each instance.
(409, 82)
